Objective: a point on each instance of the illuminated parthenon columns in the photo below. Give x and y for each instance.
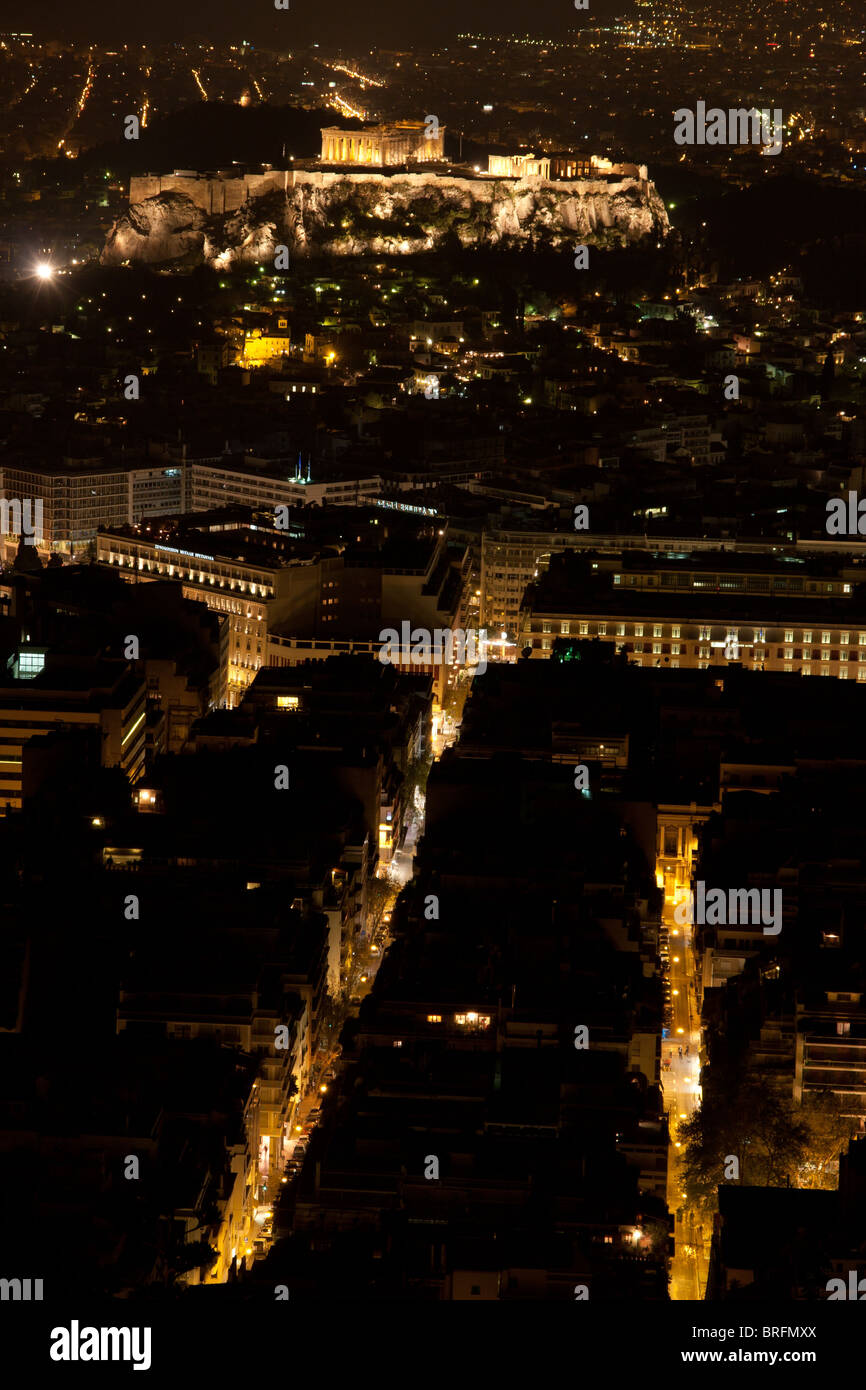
(382, 145)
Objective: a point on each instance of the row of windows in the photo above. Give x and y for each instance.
(705, 631)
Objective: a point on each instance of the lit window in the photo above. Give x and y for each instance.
(288, 701)
(844, 638)
(584, 629)
(434, 1018)
(565, 628)
(789, 634)
(675, 630)
(825, 638)
(638, 629)
(657, 631)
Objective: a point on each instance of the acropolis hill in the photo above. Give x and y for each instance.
(230, 218)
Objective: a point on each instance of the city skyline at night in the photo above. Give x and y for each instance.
(432, 676)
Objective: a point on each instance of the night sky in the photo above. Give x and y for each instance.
(160, 20)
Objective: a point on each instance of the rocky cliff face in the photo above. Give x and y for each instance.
(343, 215)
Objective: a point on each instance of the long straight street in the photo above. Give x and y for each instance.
(682, 1096)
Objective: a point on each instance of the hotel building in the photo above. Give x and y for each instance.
(804, 614)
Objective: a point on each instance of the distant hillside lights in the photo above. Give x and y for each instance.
(732, 127)
(444, 646)
(846, 518)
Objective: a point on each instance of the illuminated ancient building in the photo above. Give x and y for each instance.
(518, 166)
(379, 146)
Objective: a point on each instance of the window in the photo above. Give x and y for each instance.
(657, 648)
(657, 630)
(602, 629)
(825, 638)
(547, 627)
(789, 634)
(844, 638)
(704, 634)
(584, 629)
(545, 644)
(676, 648)
(290, 702)
(565, 628)
(807, 636)
(434, 1018)
(638, 629)
(789, 653)
(675, 630)
(620, 629)
(842, 1027)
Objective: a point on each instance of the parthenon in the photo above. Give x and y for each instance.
(381, 145)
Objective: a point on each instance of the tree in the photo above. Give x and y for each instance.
(763, 1130)
(829, 1135)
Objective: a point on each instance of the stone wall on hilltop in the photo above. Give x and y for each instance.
(241, 220)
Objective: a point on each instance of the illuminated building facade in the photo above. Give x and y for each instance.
(518, 166)
(707, 610)
(37, 699)
(400, 142)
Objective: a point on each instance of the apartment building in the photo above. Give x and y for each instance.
(79, 495)
(40, 693)
(236, 575)
(268, 483)
(510, 560)
(705, 610)
(270, 589)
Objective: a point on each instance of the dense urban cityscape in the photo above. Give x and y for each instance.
(432, 669)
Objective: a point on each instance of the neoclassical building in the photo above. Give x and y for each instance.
(381, 145)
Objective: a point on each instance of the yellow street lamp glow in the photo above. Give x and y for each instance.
(681, 1030)
(44, 271)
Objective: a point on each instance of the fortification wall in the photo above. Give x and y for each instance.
(212, 195)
